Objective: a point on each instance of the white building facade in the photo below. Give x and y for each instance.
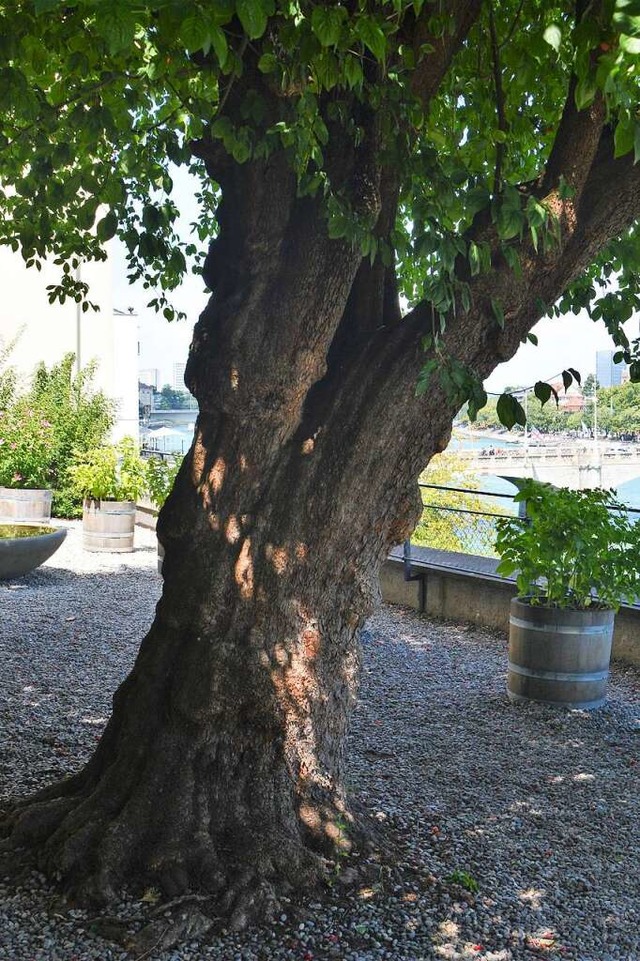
(46, 332)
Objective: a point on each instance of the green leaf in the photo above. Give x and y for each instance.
(498, 312)
(510, 411)
(194, 34)
(476, 199)
(630, 44)
(326, 23)
(267, 63)
(542, 391)
(353, 71)
(253, 15)
(117, 26)
(575, 374)
(474, 258)
(532, 339)
(219, 43)
(585, 92)
(567, 379)
(624, 138)
(369, 31)
(107, 227)
(424, 377)
(553, 36)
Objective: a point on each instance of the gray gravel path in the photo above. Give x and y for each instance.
(535, 810)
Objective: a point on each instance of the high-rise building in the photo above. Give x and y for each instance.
(178, 375)
(608, 374)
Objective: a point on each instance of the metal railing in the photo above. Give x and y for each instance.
(461, 518)
(460, 521)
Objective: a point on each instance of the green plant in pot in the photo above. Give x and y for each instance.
(110, 480)
(576, 559)
(161, 475)
(26, 443)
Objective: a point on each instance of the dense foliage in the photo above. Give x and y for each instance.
(60, 412)
(170, 83)
(109, 473)
(161, 473)
(575, 549)
(616, 414)
(455, 519)
(168, 398)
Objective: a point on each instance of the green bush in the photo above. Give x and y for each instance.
(41, 428)
(454, 520)
(161, 474)
(575, 549)
(109, 473)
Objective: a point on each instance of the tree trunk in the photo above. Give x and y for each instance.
(221, 769)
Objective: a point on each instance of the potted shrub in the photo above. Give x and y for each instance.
(39, 429)
(110, 480)
(26, 440)
(576, 559)
(161, 474)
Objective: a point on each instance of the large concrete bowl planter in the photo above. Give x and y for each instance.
(25, 506)
(559, 657)
(23, 547)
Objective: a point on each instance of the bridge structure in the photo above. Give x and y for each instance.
(184, 419)
(579, 467)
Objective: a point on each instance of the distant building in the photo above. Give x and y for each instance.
(151, 376)
(145, 398)
(178, 375)
(570, 401)
(608, 374)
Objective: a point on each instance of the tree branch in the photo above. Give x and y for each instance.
(432, 67)
(575, 145)
(500, 109)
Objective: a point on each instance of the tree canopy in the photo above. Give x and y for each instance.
(99, 101)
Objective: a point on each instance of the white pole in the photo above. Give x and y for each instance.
(78, 324)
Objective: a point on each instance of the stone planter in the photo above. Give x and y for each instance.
(559, 657)
(23, 547)
(108, 526)
(19, 506)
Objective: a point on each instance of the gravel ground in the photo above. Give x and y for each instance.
(511, 832)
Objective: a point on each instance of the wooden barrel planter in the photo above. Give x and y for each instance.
(108, 526)
(25, 506)
(559, 657)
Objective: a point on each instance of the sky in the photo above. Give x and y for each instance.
(569, 341)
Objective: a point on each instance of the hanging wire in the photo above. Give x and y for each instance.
(524, 390)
